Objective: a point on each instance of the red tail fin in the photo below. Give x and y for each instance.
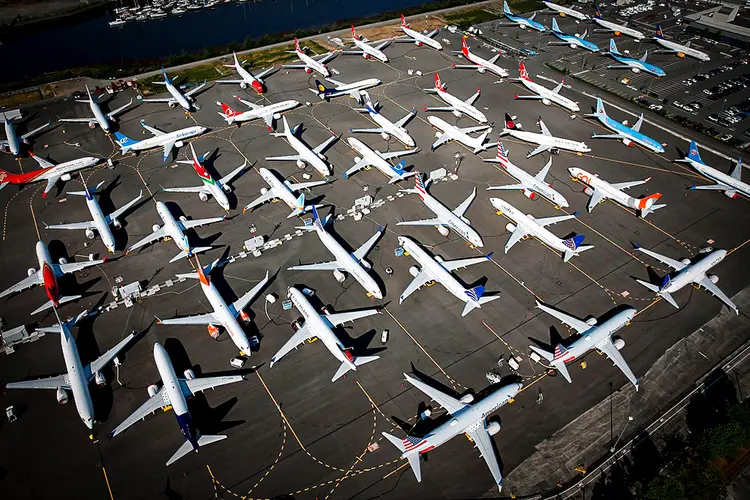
(438, 84)
(403, 22)
(227, 110)
(354, 33)
(296, 45)
(464, 47)
(522, 70)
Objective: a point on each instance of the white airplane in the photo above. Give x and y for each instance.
(185, 101)
(218, 188)
(418, 38)
(480, 64)
(446, 218)
(313, 157)
(522, 22)
(366, 50)
(103, 120)
(671, 47)
(456, 105)
(387, 127)
(528, 225)
(247, 79)
(320, 327)
(436, 269)
(174, 229)
(374, 158)
(631, 63)
(616, 29)
(601, 190)
(49, 172)
(353, 90)
(545, 141)
(224, 315)
(731, 184)
(448, 132)
(310, 64)
(529, 184)
(689, 273)
(572, 41)
(547, 96)
(566, 11)
(173, 393)
(591, 336)
(466, 418)
(100, 222)
(269, 113)
(627, 135)
(166, 140)
(47, 276)
(11, 142)
(77, 376)
(283, 191)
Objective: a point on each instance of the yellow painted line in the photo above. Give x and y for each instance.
(405, 464)
(106, 479)
(281, 412)
(33, 214)
(738, 247)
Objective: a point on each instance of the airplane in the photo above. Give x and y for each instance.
(313, 157)
(572, 41)
(547, 96)
(387, 127)
(269, 113)
(100, 222)
(353, 90)
(545, 141)
(166, 140)
(671, 47)
(77, 376)
(688, 273)
(480, 64)
(49, 172)
(174, 229)
(283, 191)
(616, 29)
(224, 315)
(47, 276)
(634, 65)
(456, 105)
(627, 135)
(372, 157)
(731, 184)
(320, 327)
(353, 263)
(173, 393)
(366, 50)
(522, 22)
(446, 218)
(592, 335)
(466, 418)
(247, 78)
(447, 132)
(103, 120)
(436, 269)
(566, 11)
(11, 142)
(218, 188)
(527, 225)
(529, 184)
(418, 38)
(601, 190)
(185, 100)
(310, 64)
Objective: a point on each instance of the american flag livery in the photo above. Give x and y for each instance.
(419, 185)
(502, 154)
(412, 443)
(562, 354)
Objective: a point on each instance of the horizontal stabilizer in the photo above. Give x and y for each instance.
(49, 304)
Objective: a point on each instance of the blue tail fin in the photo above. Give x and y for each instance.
(659, 32)
(475, 293)
(665, 283)
(399, 169)
(301, 201)
(574, 242)
(322, 89)
(693, 153)
(555, 27)
(124, 140)
(506, 9)
(613, 47)
(597, 12)
(600, 107)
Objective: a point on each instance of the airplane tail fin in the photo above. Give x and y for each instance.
(403, 22)
(474, 296)
(597, 12)
(464, 47)
(438, 83)
(522, 72)
(125, 141)
(412, 457)
(187, 446)
(659, 32)
(322, 89)
(545, 354)
(573, 246)
(599, 110)
(228, 111)
(645, 204)
(509, 123)
(49, 304)
(665, 283)
(659, 290)
(299, 206)
(354, 33)
(694, 154)
(613, 47)
(502, 153)
(506, 9)
(296, 45)
(555, 27)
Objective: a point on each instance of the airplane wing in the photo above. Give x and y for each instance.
(338, 318)
(125, 208)
(626, 185)
(324, 58)
(439, 108)
(608, 136)
(608, 348)
(516, 236)
(192, 189)
(34, 279)
(305, 185)
(417, 283)
(352, 52)
(72, 267)
(364, 162)
(283, 158)
(544, 128)
(367, 130)
(73, 225)
(234, 173)
(716, 292)
(155, 236)
(422, 222)
(383, 44)
(365, 248)
(544, 171)
(575, 323)
(238, 305)
(268, 118)
(618, 66)
(268, 196)
(469, 130)
(155, 131)
(299, 338)
(529, 97)
(105, 358)
(158, 99)
(35, 131)
(637, 126)
(230, 81)
(51, 181)
(463, 207)
(322, 266)
(451, 404)
(324, 145)
(195, 90)
(452, 265)
(199, 319)
(267, 72)
(77, 120)
(119, 110)
(539, 149)
(445, 138)
(549, 221)
(42, 383)
(674, 264)
(168, 149)
(559, 86)
(397, 154)
(483, 442)
(596, 198)
(466, 66)
(403, 121)
(42, 162)
(156, 402)
(191, 387)
(470, 101)
(188, 224)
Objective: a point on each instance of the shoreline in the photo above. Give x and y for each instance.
(32, 23)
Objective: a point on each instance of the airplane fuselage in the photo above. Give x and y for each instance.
(226, 317)
(373, 158)
(524, 22)
(99, 115)
(531, 182)
(176, 136)
(474, 143)
(308, 155)
(636, 65)
(312, 64)
(630, 134)
(390, 128)
(100, 222)
(550, 96)
(279, 189)
(421, 39)
(529, 225)
(694, 273)
(347, 88)
(618, 28)
(178, 96)
(605, 188)
(576, 41)
(566, 11)
(461, 107)
(214, 187)
(485, 65)
(172, 228)
(548, 140)
(272, 109)
(174, 391)
(720, 177)
(77, 378)
(448, 218)
(48, 272)
(682, 49)
(369, 50)
(10, 134)
(597, 335)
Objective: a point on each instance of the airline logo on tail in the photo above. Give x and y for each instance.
(124, 140)
(475, 293)
(600, 106)
(555, 27)
(659, 32)
(464, 47)
(403, 22)
(202, 172)
(509, 123)
(693, 154)
(300, 205)
(522, 71)
(296, 45)
(316, 219)
(201, 275)
(228, 112)
(574, 242)
(438, 84)
(561, 353)
(665, 283)
(597, 13)
(354, 34)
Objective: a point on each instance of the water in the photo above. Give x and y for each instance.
(93, 41)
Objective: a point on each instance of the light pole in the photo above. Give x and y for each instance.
(614, 446)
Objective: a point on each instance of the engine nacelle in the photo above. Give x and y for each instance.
(618, 342)
(439, 259)
(92, 125)
(510, 227)
(277, 116)
(203, 196)
(263, 190)
(100, 380)
(731, 194)
(366, 55)
(572, 46)
(385, 136)
(529, 194)
(686, 261)
(680, 54)
(467, 398)
(90, 233)
(213, 331)
(546, 102)
(189, 375)
(244, 316)
(116, 224)
(365, 264)
(443, 230)
(243, 85)
(66, 177)
(588, 191)
(30, 272)
(183, 218)
(618, 33)
(300, 164)
(172, 104)
(627, 142)
(308, 70)
(340, 276)
(155, 227)
(414, 271)
(226, 188)
(419, 44)
(152, 390)
(493, 428)
(591, 321)
(635, 70)
(712, 278)
(456, 113)
(62, 396)
(481, 69)
(438, 135)
(62, 260)
(179, 144)
(522, 26)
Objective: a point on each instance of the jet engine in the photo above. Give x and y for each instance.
(385, 136)
(414, 271)
(92, 125)
(572, 46)
(443, 230)
(591, 321)
(189, 375)
(65, 177)
(365, 264)
(419, 44)
(713, 278)
(226, 188)
(618, 33)
(243, 85)
(439, 259)
(213, 331)
(62, 396)
(481, 69)
(152, 390)
(244, 316)
(730, 194)
(366, 55)
(308, 70)
(438, 134)
(529, 194)
(90, 233)
(101, 381)
(172, 104)
(183, 218)
(456, 113)
(618, 342)
(510, 227)
(203, 196)
(300, 164)
(546, 102)
(179, 144)
(339, 275)
(63, 260)
(627, 142)
(30, 272)
(277, 116)
(493, 428)
(588, 191)
(155, 227)
(635, 70)
(522, 26)
(116, 223)
(686, 261)
(467, 398)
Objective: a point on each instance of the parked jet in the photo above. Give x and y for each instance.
(103, 120)
(218, 188)
(283, 191)
(77, 376)
(545, 141)
(269, 113)
(731, 184)
(466, 418)
(566, 11)
(353, 90)
(185, 100)
(49, 172)
(529, 184)
(627, 135)
(166, 140)
(353, 263)
(689, 273)
(224, 315)
(387, 127)
(11, 142)
(174, 229)
(527, 225)
(320, 327)
(436, 269)
(310, 64)
(572, 41)
(374, 158)
(447, 132)
(601, 190)
(456, 105)
(412, 36)
(634, 65)
(247, 79)
(47, 276)
(480, 64)
(616, 29)
(173, 393)
(671, 47)
(522, 22)
(446, 218)
(366, 50)
(313, 157)
(592, 335)
(544, 94)
(100, 222)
